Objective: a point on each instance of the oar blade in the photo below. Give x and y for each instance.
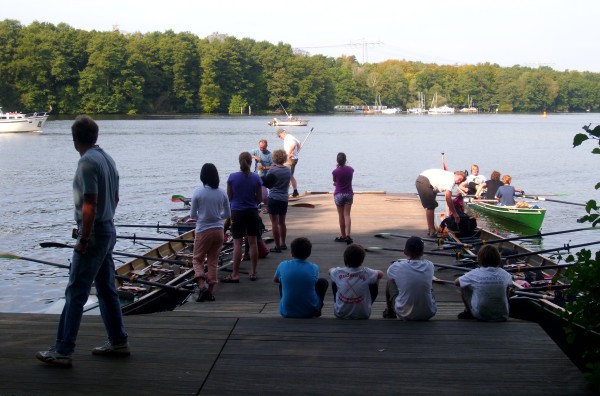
(9, 256)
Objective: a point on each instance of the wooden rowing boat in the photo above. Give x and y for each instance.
(531, 217)
(518, 266)
(138, 298)
(169, 264)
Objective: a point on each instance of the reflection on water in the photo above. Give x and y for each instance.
(160, 157)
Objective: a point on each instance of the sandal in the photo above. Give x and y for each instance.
(283, 247)
(275, 250)
(229, 279)
(348, 240)
(340, 239)
(253, 277)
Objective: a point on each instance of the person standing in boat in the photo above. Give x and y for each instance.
(343, 196)
(291, 146)
(469, 186)
(278, 199)
(490, 187)
(244, 190)
(431, 182)
(209, 207)
(96, 195)
(485, 289)
(506, 193)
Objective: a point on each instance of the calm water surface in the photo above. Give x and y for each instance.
(159, 157)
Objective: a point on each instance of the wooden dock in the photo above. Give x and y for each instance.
(240, 344)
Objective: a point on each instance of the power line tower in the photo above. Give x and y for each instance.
(364, 44)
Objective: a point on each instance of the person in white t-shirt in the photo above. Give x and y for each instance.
(291, 146)
(409, 290)
(472, 182)
(354, 287)
(485, 289)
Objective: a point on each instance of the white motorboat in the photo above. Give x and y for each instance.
(19, 122)
(288, 121)
(439, 110)
(393, 110)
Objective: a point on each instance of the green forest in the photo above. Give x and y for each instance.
(77, 71)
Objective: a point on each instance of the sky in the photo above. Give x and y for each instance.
(555, 33)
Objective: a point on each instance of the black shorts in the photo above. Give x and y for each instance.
(277, 207)
(427, 193)
(245, 223)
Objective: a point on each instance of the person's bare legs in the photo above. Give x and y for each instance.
(342, 220)
(237, 256)
(293, 183)
(429, 214)
(252, 242)
(347, 219)
(275, 229)
(282, 230)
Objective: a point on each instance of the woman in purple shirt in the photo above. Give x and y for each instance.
(343, 196)
(244, 190)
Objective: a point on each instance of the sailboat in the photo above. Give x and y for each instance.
(420, 109)
(469, 109)
(439, 110)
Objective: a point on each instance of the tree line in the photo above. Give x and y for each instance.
(79, 71)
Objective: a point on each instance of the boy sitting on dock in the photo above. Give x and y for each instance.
(301, 290)
(409, 289)
(484, 289)
(354, 287)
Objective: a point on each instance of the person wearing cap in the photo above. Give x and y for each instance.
(291, 146)
(431, 182)
(409, 289)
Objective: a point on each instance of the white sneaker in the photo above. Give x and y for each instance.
(54, 358)
(109, 349)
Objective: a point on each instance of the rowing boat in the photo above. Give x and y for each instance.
(138, 298)
(169, 264)
(521, 262)
(531, 217)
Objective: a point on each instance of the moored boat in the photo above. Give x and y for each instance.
(169, 264)
(288, 121)
(13, 122)
(391, 110)
(531, 217)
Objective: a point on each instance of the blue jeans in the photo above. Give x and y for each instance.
(96, 265)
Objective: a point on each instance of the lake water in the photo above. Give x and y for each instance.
(158, 157)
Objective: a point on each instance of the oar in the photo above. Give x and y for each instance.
(439, 240)
(180, 198)
(443, 281)
(123, 277)
(303, 205)
(547, 288)
(537, 198)
(157, 226)
(137, 238)
(565, 247)
(533, 236)
(533, 295)
(305, 139)
(163, 260)
(458, 255)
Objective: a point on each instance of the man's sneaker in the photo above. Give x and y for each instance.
(109, 349)
(54, 358)
(387, 314)
(295, 193)
(465, 315)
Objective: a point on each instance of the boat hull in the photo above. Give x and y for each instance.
(288, 122)
(529, 217)
(18, 122)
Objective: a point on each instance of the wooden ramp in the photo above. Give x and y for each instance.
(185, 354)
